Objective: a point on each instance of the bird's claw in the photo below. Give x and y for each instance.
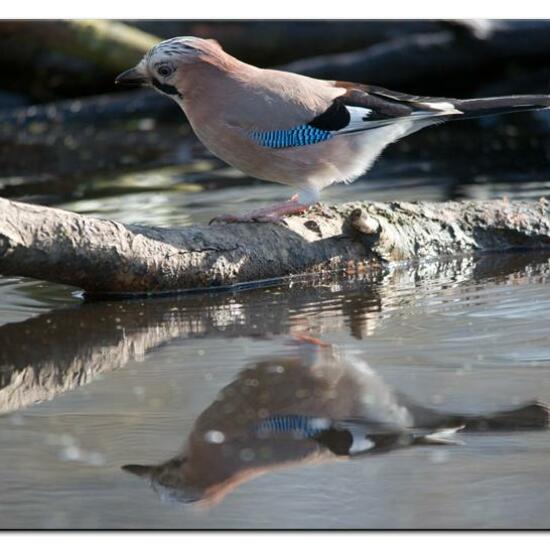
(273, 214)
(224, 219)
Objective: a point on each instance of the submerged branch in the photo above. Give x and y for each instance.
(103, 256)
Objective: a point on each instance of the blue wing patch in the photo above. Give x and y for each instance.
(303, 426)
(292, 137)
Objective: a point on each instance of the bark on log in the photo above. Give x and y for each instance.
(103, 256)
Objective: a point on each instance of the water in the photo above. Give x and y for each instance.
(88, 387)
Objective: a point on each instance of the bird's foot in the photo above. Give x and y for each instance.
(270, 214)
(305, 338)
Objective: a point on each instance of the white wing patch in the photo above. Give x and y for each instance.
(360, 444)
(359, 117)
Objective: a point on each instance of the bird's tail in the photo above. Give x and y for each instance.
(534, 415)
(473, 108)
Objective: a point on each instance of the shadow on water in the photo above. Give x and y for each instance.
(311, 405)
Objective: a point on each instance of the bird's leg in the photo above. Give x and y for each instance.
(271, 213)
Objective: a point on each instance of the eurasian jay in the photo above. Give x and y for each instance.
(312, 404)
(292, 129)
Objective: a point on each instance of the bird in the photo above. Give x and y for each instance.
(311, 403)
(289, 128)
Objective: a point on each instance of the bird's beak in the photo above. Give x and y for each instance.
(131, 77)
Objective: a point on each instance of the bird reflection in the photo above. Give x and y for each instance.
(313, 403)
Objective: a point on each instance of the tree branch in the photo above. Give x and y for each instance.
(103, 256)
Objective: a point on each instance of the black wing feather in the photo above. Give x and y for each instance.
(334, 118)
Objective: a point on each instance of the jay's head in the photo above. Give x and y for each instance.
(166, 65)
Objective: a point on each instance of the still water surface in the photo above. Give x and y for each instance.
(241, 384)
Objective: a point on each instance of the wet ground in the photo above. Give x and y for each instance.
(230, 395)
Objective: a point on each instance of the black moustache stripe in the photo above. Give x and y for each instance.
(166, 88)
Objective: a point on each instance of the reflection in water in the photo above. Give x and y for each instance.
(469, 335)
(310, 405)
(63, 349)
(60, 350)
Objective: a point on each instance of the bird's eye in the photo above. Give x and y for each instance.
(165, 70)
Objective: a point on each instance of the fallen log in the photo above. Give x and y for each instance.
(104, 256)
